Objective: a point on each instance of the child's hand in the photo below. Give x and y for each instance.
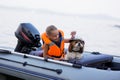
(73, 33)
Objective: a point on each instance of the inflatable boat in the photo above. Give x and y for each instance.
(93, 66)
(23, 66)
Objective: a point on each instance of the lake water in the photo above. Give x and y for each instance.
(98, 31)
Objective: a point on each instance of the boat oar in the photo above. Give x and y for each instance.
(58, 71)
(41, 58)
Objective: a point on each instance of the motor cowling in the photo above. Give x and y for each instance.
(28, 36)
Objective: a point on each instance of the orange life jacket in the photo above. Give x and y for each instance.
(54, 50)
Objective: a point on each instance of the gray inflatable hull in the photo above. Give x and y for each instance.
(30, 67)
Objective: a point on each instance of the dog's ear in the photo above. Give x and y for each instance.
(70, 47)
(82, 48)
(83, 42)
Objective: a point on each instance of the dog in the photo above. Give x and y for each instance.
(75, 49)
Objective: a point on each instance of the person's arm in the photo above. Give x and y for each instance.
(67, 40)
(73, 33)
(46, 47)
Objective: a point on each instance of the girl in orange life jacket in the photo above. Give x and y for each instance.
(53, 40)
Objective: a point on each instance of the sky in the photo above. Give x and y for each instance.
(106, 7)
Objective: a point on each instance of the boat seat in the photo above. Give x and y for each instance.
(93, 60)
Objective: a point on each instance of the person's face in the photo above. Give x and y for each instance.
(54, 36)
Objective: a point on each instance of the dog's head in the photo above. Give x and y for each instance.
(76, 45)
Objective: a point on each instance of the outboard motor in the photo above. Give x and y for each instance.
(28, 38)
